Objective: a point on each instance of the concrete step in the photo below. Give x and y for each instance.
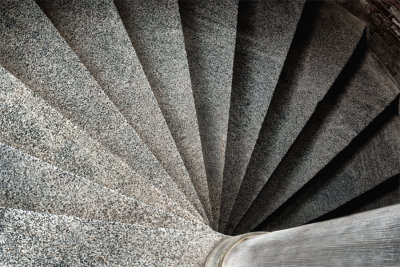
(30, 238)
(36, 54)
(357, 98)
(209, 29)
(29, 124)
(265, 31)
(371, 158)
(103, 45)
(28, 183)
(314, 61)
(155, 29)
(383, 195)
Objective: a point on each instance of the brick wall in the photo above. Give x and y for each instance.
(383, 18)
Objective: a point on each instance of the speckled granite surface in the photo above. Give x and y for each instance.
(375, 161)
(28, 123)
(265, 31)
(155, 29)
(339, 118)
(34, 52)
(314, 61)
(385, 194)
(209, 29)
(97, 35)
(108, 106)
(30, 184)
(38, 239)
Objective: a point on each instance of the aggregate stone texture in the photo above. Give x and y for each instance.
(97, 35)
(264, 32)
(373, 163)
(209, 29)
(336, 121)
(38, 239)
(155, 29)
(385, 194)
(314, 61)
(376, 198)
(35, 53)
(29, 124)
(28, 183)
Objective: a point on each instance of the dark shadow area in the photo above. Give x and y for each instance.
(385, 194)
(323, 108)
(331, 170)
(282, 92)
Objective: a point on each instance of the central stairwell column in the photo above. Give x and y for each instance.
(366, 239)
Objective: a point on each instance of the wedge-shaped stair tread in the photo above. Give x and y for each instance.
(37, 239)
(349, 175)
(209, 29)
(383, 195)
(29, 124)
(265, 31)
(314, 61)
(30, 184)
(35, 53)
(155, 29)
(97, 35)
(347, 109)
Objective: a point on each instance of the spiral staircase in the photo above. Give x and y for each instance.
(166, 133)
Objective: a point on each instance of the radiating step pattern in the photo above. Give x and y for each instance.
(97, 35)
(155, 29)
(265, 31)
(35, 53)
(30, 184)
(29, 124)
(209, 29)
(376, 160)
(314, 61)
(131, 131)
(340, 117)
(51, 240)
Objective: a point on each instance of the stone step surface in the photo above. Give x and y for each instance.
(265, 31)
(97, 35)
(209, 29)
(36, 54)
(383, 195)
(38, 239)
(349, 175)
(345, 111)
(28, 183)
(155, 29)
(314, 61)
(29, 124)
